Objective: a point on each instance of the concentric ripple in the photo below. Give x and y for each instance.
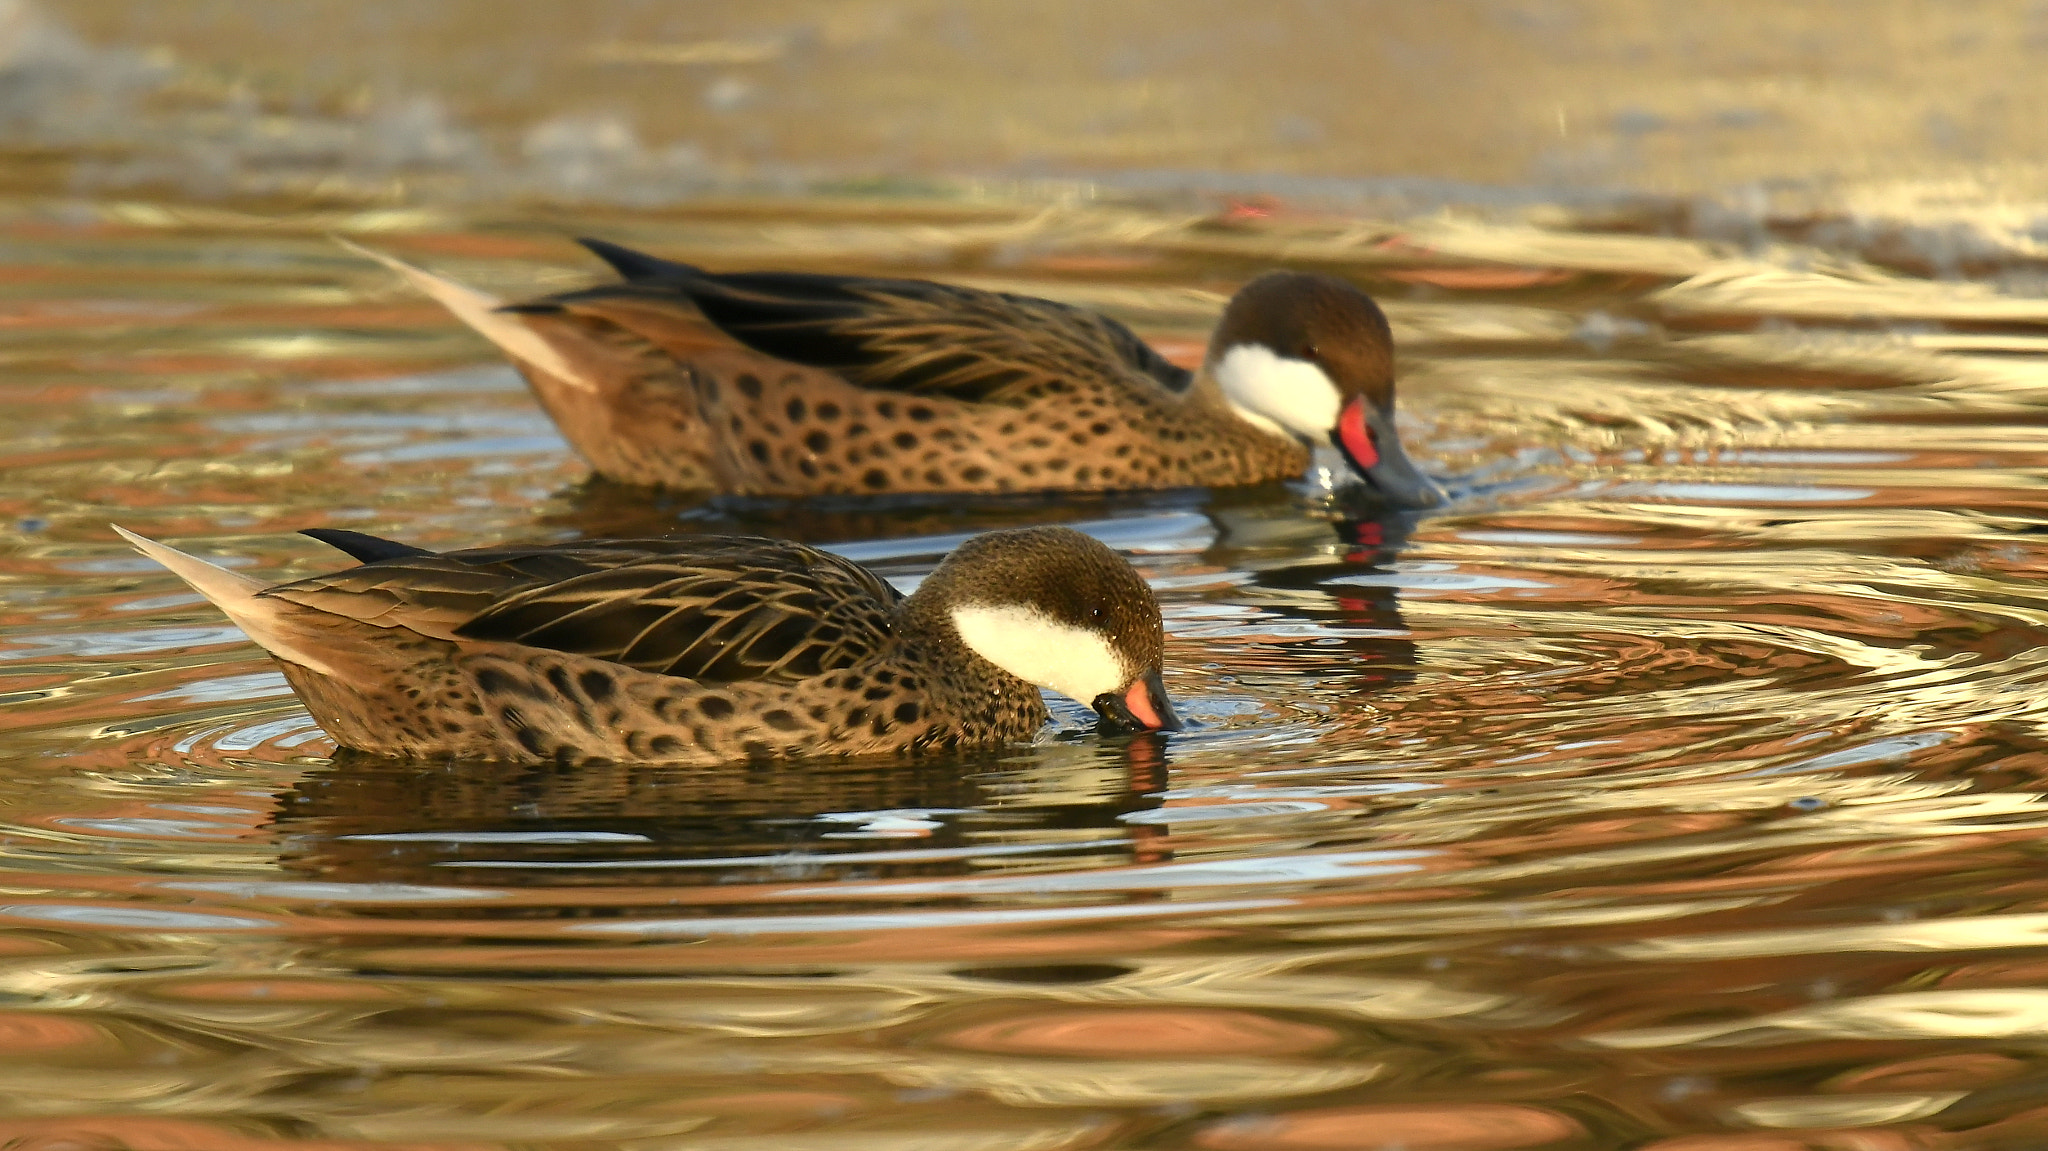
(1679, 781)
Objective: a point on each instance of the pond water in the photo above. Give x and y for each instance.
(1678, 786)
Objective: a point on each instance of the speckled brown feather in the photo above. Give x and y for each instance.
(632, 412)
(886, 386)
(696, 650)
(771, 427)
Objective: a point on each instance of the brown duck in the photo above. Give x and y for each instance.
(698, 650)
(781, 383)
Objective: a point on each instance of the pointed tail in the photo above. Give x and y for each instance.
(480, 310)
(235, 594)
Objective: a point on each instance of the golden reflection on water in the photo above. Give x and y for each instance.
(1677, 784)
(1678, 787)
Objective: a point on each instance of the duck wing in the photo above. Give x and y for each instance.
(713, 609)
(911, 336)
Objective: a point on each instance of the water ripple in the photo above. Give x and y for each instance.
(1680, 781)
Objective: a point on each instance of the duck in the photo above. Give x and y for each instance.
(698, 650)
(799, 384)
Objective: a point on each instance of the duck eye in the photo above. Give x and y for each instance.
(1309, 352)
(1094, 613)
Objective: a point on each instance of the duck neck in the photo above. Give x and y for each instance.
(960, 677)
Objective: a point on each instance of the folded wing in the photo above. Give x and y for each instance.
(716, 610)
(910, 336)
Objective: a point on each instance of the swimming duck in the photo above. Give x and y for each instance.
(783, 383)
(698, 650)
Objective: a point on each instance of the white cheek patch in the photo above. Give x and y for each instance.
(1286, 396)
(1074, 661)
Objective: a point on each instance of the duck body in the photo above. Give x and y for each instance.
(698, 650)
(790, 384)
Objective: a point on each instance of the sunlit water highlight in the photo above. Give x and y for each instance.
(1678, 786)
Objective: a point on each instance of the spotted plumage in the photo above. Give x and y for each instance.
(775, 383)
(696, 650)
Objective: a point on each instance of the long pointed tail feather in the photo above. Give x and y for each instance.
(481, 311)
(236, 595)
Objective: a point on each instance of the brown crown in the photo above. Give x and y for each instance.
(1316, 318)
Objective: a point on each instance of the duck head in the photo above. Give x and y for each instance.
(1311, 357)
(1059, 609)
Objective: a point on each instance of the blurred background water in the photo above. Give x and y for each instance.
(1679, 786)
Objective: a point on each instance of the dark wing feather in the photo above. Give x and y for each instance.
(636, 266)
(362, 547)
(911, 336)
(714, 609)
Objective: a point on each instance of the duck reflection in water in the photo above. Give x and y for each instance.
(1330, 586)
(597, 507)
(1061, 805)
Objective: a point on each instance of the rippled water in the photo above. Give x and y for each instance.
(1679, 786)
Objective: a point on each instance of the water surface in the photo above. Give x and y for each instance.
(1677, 786)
